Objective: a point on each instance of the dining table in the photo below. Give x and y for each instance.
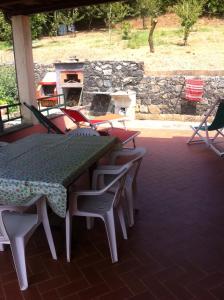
(47, 164)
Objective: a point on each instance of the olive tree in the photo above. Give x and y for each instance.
(114, 13)
(142, 11)
(6, 29)
(152, 9)
(188, 11)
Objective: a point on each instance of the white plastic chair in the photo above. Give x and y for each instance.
(99, 204)
(103, 175)
(16, 229)
(83, 132)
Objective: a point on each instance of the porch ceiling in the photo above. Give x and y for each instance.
(26, 7)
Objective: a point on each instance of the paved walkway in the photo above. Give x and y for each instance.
(174, 251)
(157, 124)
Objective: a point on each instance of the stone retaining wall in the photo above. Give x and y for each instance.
(157, 96)
(40, 70)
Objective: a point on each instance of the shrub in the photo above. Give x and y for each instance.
(137, 40)
(6, 30)
(126, 31)
(8, 85)
(189, 11)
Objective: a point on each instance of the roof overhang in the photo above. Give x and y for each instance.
(27, 7)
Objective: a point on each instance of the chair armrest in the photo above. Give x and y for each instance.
(123, 169)
(104, 170)
(90, 192)
(125, 153)
(103, 122)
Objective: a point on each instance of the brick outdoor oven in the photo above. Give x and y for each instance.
(69, 80)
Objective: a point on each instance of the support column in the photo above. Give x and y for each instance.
(22, 40)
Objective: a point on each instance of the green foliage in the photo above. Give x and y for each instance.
(126, 31)
(90, 13)
(215, 7)
(5, 46)
(189, 11)
(138, 39)
(162, 37)
(114, 12)
(151, 8)
(6, 30)
(66, 17)
(38, 22)
(45, 24)
(8, 85)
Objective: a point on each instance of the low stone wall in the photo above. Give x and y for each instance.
(162, 95)
(157, 96)
(111, 76)
(40, 70)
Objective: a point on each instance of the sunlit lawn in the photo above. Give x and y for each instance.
(205, 50)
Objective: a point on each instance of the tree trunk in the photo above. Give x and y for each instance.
(150, 38)
(143, 23)
(90, 23)
(186, 35)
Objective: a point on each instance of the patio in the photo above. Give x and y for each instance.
(174, 251)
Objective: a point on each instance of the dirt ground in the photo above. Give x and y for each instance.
(204, 53)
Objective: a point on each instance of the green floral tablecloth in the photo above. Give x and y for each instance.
(47, 164)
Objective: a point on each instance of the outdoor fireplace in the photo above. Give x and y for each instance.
(69, 81)
(124, 103)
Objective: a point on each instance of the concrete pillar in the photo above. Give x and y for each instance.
(22, 40)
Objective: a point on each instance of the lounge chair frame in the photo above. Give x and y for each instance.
(216, 126)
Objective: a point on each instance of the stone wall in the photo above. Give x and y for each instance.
(157, 96)
(40, 70)
(162, 95)
(111, 76)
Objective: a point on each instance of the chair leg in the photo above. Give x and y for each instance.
(195, 132)
(18, 253)
(135, 193)
(130, 204)
(122, 221)
(47, 229)
(134, 145)
(68, 229)
(111, 235)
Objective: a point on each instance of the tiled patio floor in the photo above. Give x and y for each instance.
(174, 251)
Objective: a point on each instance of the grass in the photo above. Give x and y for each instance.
(205, 49)
(5, 46)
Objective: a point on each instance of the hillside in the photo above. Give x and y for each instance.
(204, 52)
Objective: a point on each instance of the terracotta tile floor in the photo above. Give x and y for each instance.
(174, 251)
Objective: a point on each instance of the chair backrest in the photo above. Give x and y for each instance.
(51, 127)
(194, 89)
(6, 211)
(119, 183)
(83, 132)
(218, 121)
(75, 115)
(134, 156)
(3, 233)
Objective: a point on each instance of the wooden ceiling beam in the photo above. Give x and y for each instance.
(27, 7)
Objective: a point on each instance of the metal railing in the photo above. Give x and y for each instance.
(9, 114)
(57, 102)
